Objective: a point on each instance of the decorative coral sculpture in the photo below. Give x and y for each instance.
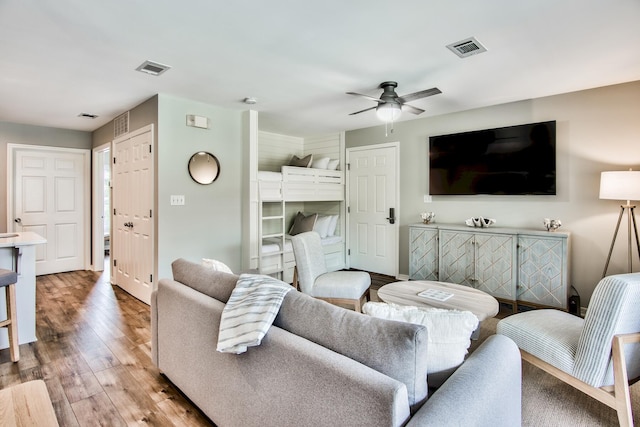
(552, 224)
(480, 222)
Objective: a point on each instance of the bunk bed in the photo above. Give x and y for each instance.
(296, 184)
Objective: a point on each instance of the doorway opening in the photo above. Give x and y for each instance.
(101, 218)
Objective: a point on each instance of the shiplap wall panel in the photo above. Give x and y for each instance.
(275, 150)
(324, 146)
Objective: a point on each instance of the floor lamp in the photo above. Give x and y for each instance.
(622, 185)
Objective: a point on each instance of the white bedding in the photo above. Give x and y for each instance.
(273, 245)
(269, 176)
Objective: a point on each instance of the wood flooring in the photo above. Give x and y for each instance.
(94, 354)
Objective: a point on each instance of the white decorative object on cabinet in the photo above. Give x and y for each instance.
(518, 266)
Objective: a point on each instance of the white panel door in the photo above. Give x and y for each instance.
(373, 192)
(49, 199)
(132, 245)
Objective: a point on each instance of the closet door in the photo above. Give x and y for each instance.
(133, 190)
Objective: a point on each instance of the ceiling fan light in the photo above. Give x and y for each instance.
(388, 112)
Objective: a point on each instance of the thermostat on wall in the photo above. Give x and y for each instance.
(197, 121)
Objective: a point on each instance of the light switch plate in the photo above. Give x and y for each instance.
(177, 200)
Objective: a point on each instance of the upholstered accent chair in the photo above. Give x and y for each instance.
(598, 354)
(313, 278)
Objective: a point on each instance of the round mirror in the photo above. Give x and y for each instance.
(204, 167)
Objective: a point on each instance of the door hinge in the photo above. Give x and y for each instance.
(114, 160)
(150, 213)
(151, 278)
(349, 252)
(115, 262)
(348, 166)
(149, 147)
(114, 211)
(348, 209)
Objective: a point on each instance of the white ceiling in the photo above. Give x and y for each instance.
(60, 58)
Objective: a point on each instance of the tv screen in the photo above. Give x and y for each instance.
(514, 160)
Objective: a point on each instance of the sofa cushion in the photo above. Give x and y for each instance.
(398, 350)
(449, 334)
(216, 284)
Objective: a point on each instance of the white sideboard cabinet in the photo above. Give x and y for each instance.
(519, 266)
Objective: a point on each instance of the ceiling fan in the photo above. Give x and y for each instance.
(390, 104)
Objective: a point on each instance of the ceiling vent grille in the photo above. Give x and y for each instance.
(153, 68)
(121, 125)
(467, 47)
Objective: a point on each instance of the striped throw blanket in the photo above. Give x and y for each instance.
(250, 311)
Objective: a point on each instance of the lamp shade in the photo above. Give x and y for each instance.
(620, 185)
(388, 112)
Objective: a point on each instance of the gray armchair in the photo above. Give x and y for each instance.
(335, 287)
(597, 354)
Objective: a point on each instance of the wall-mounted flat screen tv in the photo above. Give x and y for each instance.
(514, 160)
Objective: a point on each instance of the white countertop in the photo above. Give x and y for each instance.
(10, 240)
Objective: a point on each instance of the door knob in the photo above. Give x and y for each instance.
(18, 220)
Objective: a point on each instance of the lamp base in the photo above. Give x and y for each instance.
(631, 218)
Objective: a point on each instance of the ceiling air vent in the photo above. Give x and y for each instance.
(153, 68)
(121, 125)
(88, 115)
(466, 47)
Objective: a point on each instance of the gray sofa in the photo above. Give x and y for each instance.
(321, 365)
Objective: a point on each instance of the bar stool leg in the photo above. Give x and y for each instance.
(14, 347)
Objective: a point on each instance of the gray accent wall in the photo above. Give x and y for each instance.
(15, 133)
(597, 130)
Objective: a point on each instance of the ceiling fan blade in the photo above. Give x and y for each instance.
(418, 95)
(412, 109)
(365, 96)
(362, 111)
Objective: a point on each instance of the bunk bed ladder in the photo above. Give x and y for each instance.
(271, 228)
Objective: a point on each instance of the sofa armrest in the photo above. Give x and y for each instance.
(486, 390)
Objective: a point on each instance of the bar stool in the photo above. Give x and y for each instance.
(8, 280)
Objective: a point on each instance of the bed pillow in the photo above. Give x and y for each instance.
(303, 223)
(304, 162)
(449, 334)
(333, 164)
(322, 225)
(333, 224)
(321, 163)
(216, 265)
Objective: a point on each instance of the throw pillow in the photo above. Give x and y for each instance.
(333, 225)
(449, 334)
(216, 265)
(304, 162)
(321, 163)
(322, 225)
(333, 164)
(303, 223)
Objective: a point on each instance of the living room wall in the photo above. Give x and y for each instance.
(16, 133)
(597, 130)
(210, 223)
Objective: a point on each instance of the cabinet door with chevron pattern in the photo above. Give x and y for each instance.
(542, 275)
(423, 253)
(495, 265)
(457, 257)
